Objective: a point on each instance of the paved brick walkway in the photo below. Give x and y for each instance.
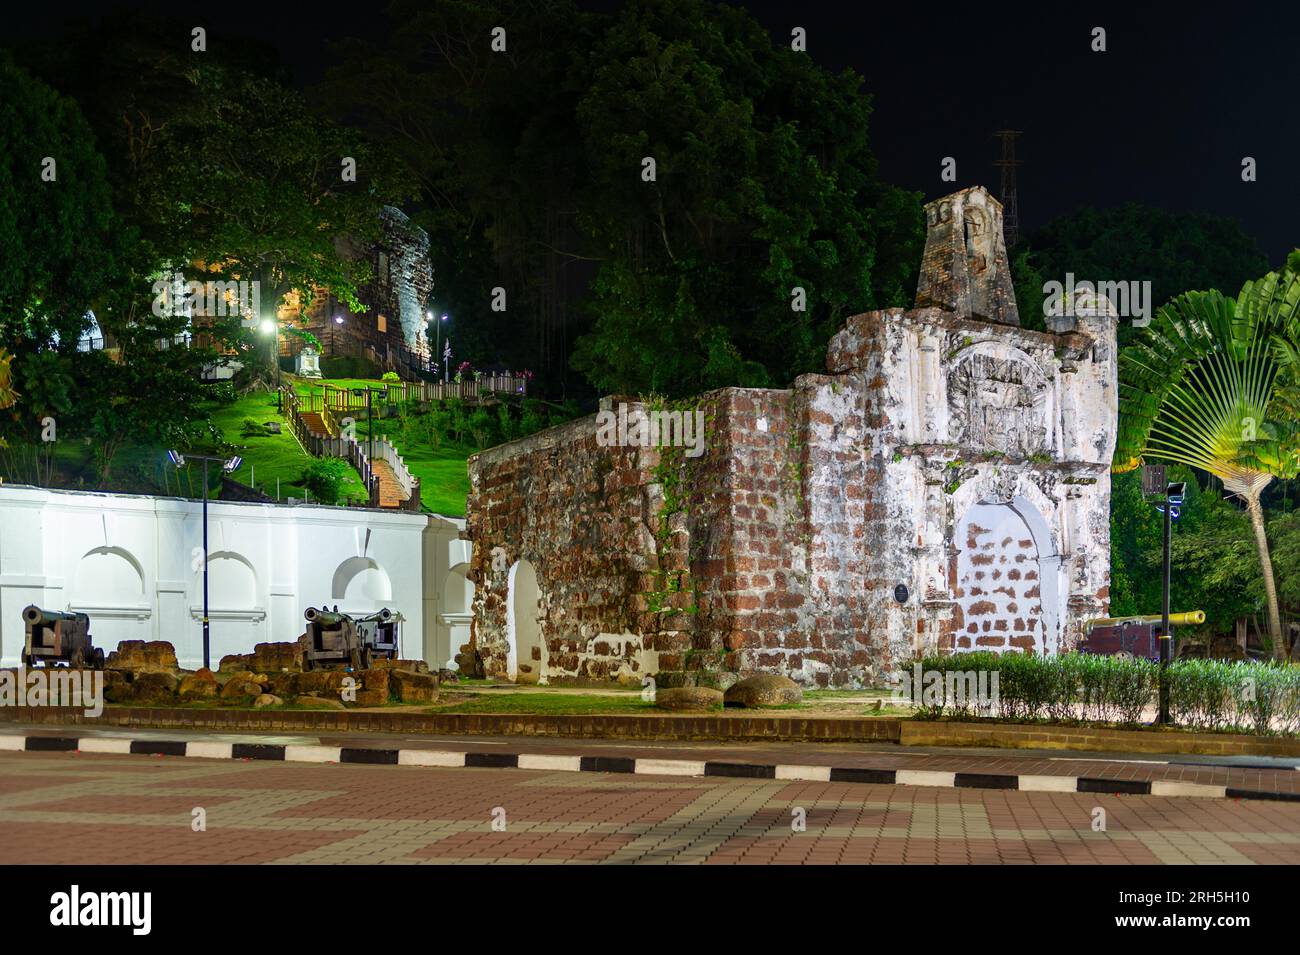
(90, 809)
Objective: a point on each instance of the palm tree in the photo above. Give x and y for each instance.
(1197, 389)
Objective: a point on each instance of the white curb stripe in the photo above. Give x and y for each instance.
(1049, 784)
(429, 757)
(91, 744)
(669, 767)
(208, 750)
(645, 767)
(1174, 787)
(924, 777)
(820, 774)
(311, 754)
(568, 764)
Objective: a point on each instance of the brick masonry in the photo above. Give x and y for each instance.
(944, 486)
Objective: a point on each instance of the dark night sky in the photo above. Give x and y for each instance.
(1163, 117)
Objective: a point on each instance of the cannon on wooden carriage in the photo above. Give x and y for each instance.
(341, 638)
(55, 637)
(1133, 637)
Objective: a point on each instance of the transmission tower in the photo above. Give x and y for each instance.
(1008, 164)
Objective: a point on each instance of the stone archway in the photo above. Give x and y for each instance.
(1006, 580)
(525, 648)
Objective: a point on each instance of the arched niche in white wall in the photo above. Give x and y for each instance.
(457, 612)
(232, 582)
(108, 576)
(108, 586)
(235, 614)
(360, 583)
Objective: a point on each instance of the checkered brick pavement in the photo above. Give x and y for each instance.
(80, 808)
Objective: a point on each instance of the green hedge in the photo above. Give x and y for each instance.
(1260, 698)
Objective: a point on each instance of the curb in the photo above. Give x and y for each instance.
(633, 765)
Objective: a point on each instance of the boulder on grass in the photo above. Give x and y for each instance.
(274, 657)
(319, 681)
(320, 702)
(143, 656)
(372, 697)
(199, 685)
(155, 687)
(764, 689)
(267, 699)
(237, 688)
(695, 698)
(411, 687)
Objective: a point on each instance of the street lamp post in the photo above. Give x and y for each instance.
(1174, 494)
(229, 465)
(437, 336)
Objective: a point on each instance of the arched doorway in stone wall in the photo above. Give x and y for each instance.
(1006, 580)
(525, 649)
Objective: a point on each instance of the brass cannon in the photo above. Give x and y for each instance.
(341, 638)
(55, 637)
(1133, 637)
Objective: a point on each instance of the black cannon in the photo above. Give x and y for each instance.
(54, 637)
(341, 638)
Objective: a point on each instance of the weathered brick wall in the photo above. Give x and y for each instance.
(575, 511)
(650, 560)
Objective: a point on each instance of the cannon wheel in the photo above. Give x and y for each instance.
(306, 662)
(356, 659)
(25, 660)
(78, 659)
(98, 662)
(366, 659)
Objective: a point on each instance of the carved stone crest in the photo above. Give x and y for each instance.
(999, 402)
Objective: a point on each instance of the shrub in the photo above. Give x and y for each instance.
(1261, 698)
(324, 478)
(391, 376)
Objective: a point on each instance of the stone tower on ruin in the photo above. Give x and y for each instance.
(964, 268)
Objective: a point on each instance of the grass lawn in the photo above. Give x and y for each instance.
(271, 457)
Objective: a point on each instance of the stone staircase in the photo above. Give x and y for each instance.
(390, 490)
(315, 423)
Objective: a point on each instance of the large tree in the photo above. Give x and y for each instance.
(531, 164)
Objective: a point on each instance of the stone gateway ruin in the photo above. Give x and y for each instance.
(943, 486)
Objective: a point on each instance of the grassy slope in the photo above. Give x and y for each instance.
(444, 480)
(141, 468)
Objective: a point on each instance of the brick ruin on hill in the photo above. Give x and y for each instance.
(945, 485)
